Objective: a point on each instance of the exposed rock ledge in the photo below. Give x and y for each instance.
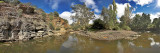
(24, 27)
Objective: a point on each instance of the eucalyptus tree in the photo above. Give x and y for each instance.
(125, 19)
(109, 16)
(156, 24)
(83, 15)
(105, 16)
(135, 24)
(141, 22)
(114, 11)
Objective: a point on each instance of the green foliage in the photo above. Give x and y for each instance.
(124, 27)
(75, 26)
(51, 16)
(140, 22)
(51, 26)
(116, 28)
(125, 19)
(125, 23)
(57, 28)
(106, 15)
(27, 4)
(14, 2)
(114, 12)
(98, 24)
(44, 14)
(7, 1)
(114, 7)
(151, 26)
(56, 14)
(66, 21)
(19, 12)
(83, 15)
(156, 23)
(1, 1)
(109, 17)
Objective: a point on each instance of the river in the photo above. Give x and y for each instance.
(72, 43)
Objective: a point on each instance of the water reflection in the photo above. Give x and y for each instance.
(72, 43)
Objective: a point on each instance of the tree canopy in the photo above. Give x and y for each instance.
(83, 15)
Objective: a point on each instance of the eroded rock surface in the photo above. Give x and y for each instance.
(16, 25)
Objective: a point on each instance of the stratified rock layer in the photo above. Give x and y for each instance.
(16, 25)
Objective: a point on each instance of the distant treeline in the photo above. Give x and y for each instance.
(108, 19)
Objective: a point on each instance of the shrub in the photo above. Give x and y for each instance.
(44, 15)
(51, 26)
(98, 24)
(19, 12)
(116, 28)
(75, 26)
(51, 17)
(56, 14)
(126, 27)
(14, 2)
(1, 1)
(57, 28)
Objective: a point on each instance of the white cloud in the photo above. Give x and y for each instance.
(92, 4)
(140, 13)
(121, 9)
(96, 10)
(72, 3)
(134, 9)
(142, 2)
(96, 17)
(156, 15)
(152, 16)
(55, 6)
(118, 20)
(129, 0)
(66, 15)
(133, 14)
(158, 3)
(53, 3)
(89, 3)
(148, 6)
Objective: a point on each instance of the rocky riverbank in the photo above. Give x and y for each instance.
(110, 35)
(21, 23)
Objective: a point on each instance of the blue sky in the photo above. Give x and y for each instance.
(63, 6)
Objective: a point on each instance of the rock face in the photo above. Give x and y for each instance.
(60, 23)
(14, 26)
(26, 9)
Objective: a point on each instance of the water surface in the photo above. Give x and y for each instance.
(72, 43)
